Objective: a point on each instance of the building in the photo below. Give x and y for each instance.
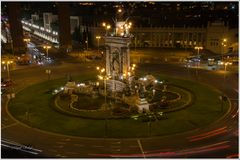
(211, 37)
(48, 19)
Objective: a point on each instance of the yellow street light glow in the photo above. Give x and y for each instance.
(129, 73)
(97, 68)
(133, 68)
(47, 47)
(3, 62)
(198, 47)
(130, 23)
(108, 26)
(224, 40)
(100, 77)
(26, 40)
(102, 70)
(98, 37)
(103, 24)
(134, 65)
(124, 75)
(119, 10)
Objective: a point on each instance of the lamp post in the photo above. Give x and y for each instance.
(225, 68)
(197, 48)
(224, 41)
(8, 70)
(104, 78)
(47, 47)
(26, 40)
(98, 38)
(106, 26)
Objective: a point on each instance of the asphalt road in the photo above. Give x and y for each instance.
(216, 140)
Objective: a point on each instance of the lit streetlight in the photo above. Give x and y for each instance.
(198, 48)
(106, 26)
(26, 40)
(119, 10)
(8, 70)
(47, 47)
(224, 41)
(104, 78)
(98, 38)
(225, 68)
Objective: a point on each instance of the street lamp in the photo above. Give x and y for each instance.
(198, 48)
(225, 68)
(104, 78)
(8, 70)
(47, 47)
(224, 41)
(98, 38)
(106, 26)
(26, 40)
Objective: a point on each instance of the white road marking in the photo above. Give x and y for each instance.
(97, 146)
(61, 142)
(79, 145)
(141, 148)
(61, 146)
(116, 150)
(133, 146)
(9, 125)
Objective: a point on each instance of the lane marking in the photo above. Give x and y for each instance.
(116, 150)
(141, 148)
(52, 150)
(58, 146)
(78, 145)
(7, 126)
(97, 146)
(133, 146)
(61, 142)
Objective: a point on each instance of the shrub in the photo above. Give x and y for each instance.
(65, 97)
(133, 109)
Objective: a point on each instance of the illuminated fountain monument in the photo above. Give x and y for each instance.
(117, 55)
(118, 59)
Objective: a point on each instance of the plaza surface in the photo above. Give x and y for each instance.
(58, 145)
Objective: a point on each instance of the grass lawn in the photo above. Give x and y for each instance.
(36, 101)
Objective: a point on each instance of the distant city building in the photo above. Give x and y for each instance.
(34, 18)
(48, 19)
(210, 37)
(74, 23)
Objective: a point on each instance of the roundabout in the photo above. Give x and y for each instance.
(189, 111)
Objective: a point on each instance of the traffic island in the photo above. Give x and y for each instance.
(33, 106)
